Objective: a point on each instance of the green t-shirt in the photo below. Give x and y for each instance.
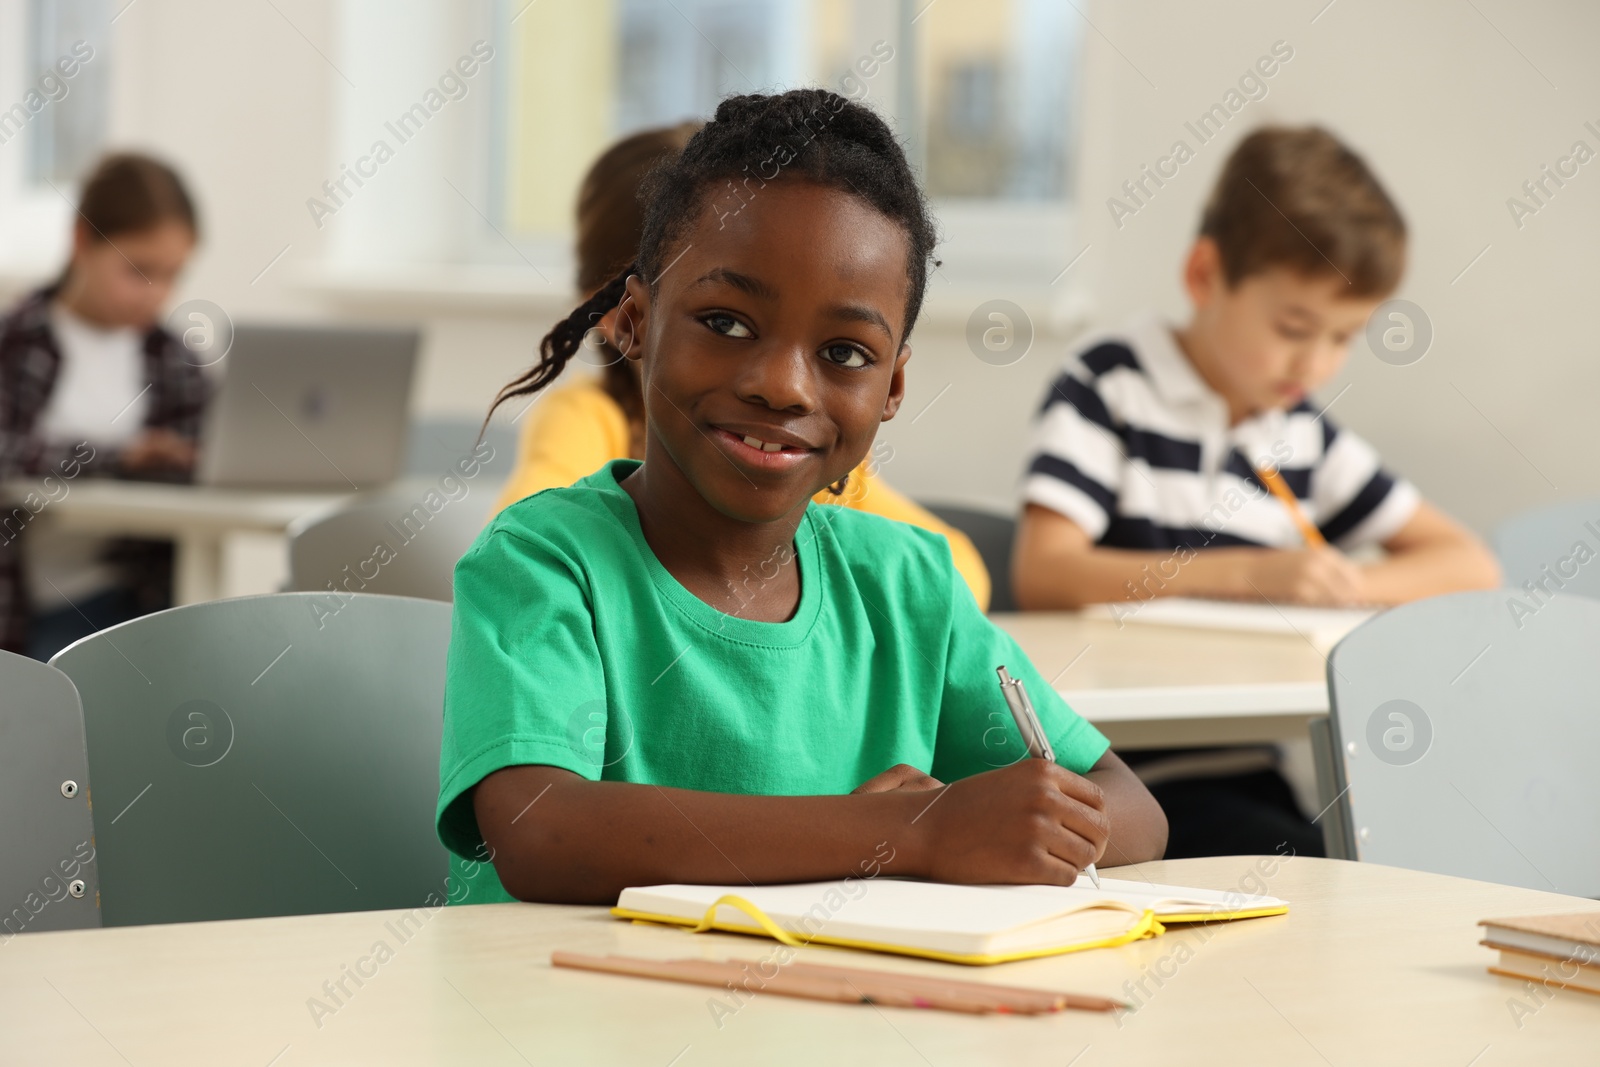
(573, 647)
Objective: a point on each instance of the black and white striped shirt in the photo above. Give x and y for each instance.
(1133, 446)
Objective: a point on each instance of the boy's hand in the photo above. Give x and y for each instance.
(1030, 823)
(902, 777)
(1317, 576)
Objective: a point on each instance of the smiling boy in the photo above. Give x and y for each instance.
(1145, 478)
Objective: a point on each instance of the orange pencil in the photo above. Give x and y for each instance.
(1012, 996)
(1280, 489)
(847, 985)
(728, 974)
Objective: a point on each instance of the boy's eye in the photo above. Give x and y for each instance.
(726, 325)
(844, 355)
(1293, 334)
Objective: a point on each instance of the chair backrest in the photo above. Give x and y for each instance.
(992, 535)
(1466, 728)
(403, 541)
(434, 445)
(1542, 545)
(270, 755)
(49, 879)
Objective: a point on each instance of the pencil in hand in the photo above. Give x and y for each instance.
(1274, 481)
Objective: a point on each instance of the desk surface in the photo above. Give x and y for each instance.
(201, 520)
(1372, 965)
(127, 507)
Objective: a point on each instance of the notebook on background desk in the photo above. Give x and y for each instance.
(1323, 627)
(953, 923)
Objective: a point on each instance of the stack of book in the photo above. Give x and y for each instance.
(1554, 950)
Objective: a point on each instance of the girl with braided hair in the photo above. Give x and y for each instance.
(580, 427)
(684, 670)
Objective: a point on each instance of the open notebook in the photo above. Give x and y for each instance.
(955, 923)
(1323, 627)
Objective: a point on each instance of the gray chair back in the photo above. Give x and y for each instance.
(270, 755)
(403, 541)
(1466, 730)
(49, 879)
(1542, 545)
(992, 535)
(433, 445)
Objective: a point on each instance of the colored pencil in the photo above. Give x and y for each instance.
(1280, 489)
(846, 985)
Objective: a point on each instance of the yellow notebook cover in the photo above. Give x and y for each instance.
(953, 923)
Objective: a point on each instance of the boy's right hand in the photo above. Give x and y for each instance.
(1318, 576)
(1030, 823)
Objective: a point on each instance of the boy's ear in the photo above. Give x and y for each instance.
(1203, 277)
(897, 384)
(626, 325)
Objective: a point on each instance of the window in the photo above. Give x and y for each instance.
(675, 63)
(68, 135)
(55, 82)
(981, 92)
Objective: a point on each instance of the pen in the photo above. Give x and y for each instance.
(1032, 731)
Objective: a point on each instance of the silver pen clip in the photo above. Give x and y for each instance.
(1027, 719)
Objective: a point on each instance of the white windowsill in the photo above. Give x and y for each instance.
(441, 290)
(1058, 311)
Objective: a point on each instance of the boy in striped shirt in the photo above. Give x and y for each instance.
(1147, 470)
(1188, 461)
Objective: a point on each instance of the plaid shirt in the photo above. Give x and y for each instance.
(30, 364)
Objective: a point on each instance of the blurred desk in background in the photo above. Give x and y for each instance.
(204, 523)
(1150, 686)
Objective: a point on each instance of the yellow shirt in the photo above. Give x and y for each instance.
(577, 429)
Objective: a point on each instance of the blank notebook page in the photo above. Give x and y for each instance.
(1323, 627)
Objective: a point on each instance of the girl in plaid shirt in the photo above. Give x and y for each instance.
(92, 386)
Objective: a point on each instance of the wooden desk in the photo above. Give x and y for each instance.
(199, 520)
(1146, 685)
(1373, 965)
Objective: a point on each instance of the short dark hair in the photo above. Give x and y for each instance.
(127, 192)
(1297, 197)
(806, 134)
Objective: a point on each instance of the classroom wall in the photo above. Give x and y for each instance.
(1456, 105)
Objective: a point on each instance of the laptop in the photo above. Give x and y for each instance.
(310, 407)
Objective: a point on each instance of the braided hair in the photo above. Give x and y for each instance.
(811, 134)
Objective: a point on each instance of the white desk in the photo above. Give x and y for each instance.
(1146, 685)
(200, 521)
(1372, 965)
